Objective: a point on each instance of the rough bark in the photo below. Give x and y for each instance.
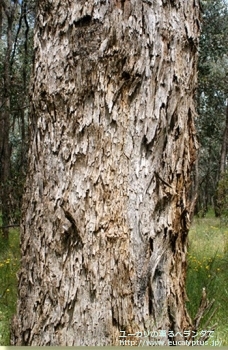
(105, 217)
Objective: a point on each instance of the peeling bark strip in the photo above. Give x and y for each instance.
(106, 210)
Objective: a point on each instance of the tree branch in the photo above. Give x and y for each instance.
(8, 226)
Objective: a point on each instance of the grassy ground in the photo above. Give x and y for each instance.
(207, 267)
(9, 265)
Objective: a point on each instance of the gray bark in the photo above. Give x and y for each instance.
(105, 217)
(223, 159)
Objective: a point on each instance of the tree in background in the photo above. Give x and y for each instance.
(105, 212)
(212, 123)
(16, 22)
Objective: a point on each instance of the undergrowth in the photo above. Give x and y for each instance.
(207, 268)
(9, 266)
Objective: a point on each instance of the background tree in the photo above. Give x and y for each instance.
(16, 22)
(105, 212)
(212, 95)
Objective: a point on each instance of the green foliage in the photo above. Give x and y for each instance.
(222, 197)
(207, 267)
(212, 95)
(9, 266)
(16, 53)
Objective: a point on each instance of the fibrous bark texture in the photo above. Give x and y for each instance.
(105, 217)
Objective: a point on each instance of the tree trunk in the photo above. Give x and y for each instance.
(5, 147)
(223, 166)
(105, 216)
(223, 159)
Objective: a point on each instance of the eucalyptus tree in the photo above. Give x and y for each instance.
(16, 22)
(212, 95)
(105, 210)
(9, 11)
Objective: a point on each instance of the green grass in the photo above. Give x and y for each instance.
(9, 265)
(207, 267)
